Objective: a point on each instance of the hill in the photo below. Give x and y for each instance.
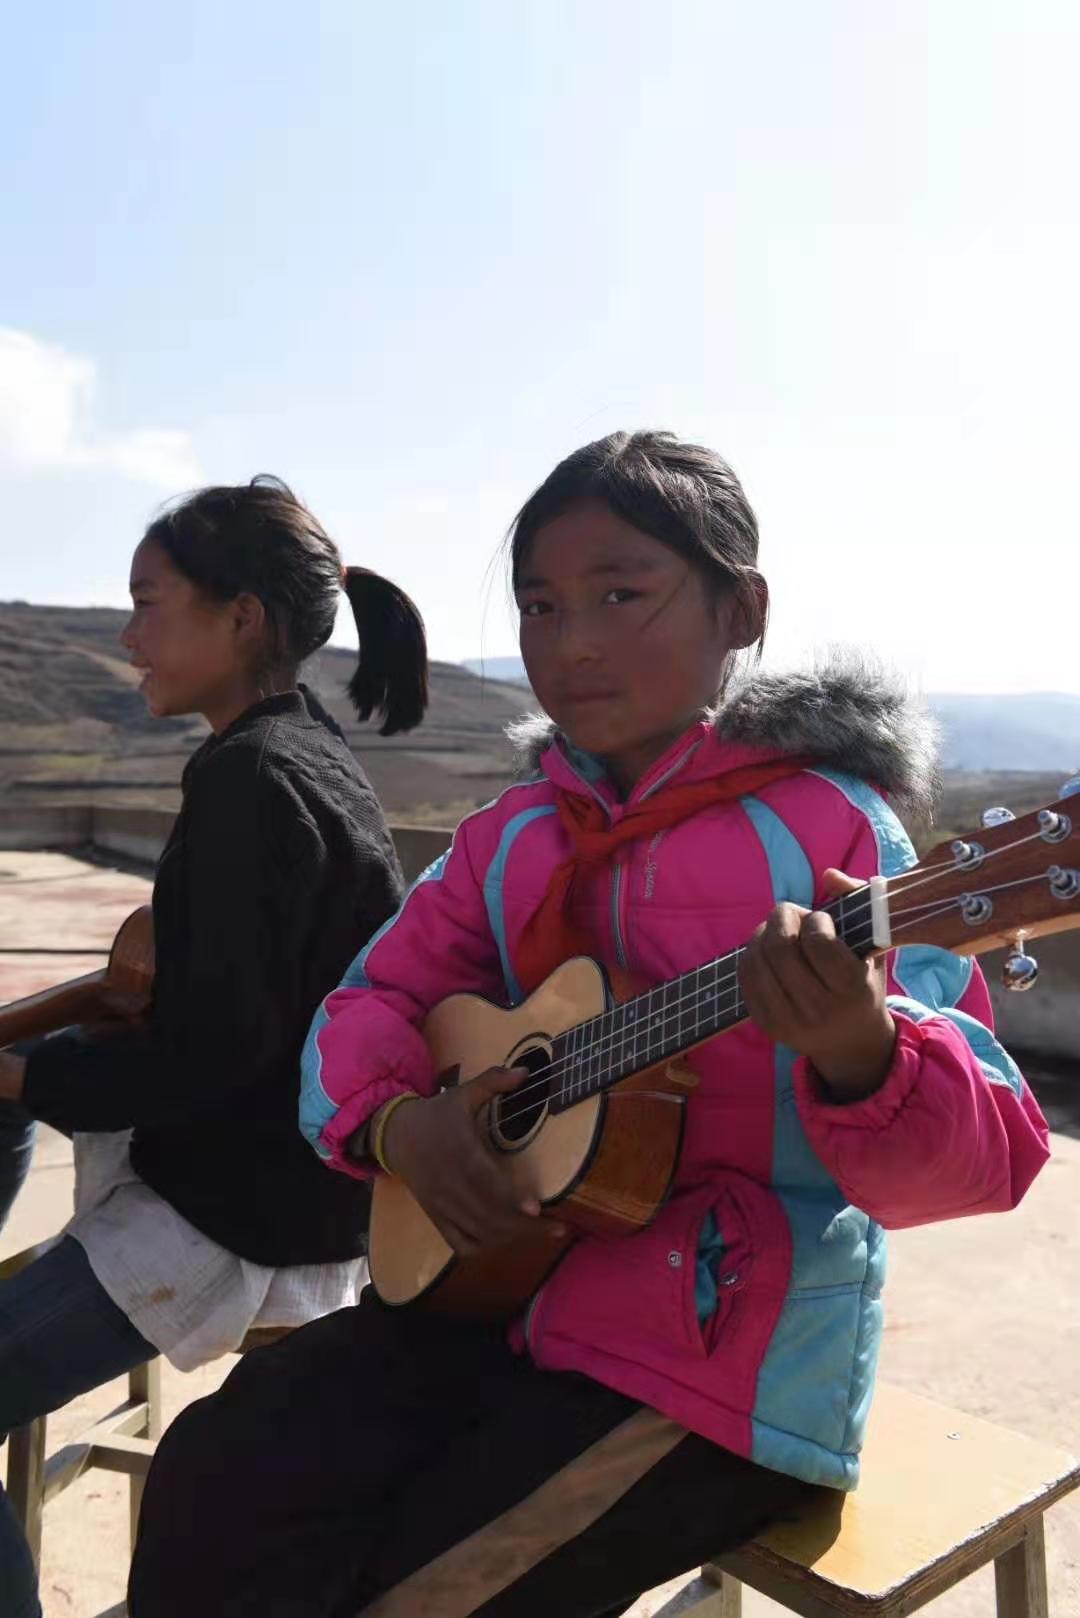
(511, 670)
(1031, 730)
(73, 725)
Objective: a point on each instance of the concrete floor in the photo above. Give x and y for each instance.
(983, 1314)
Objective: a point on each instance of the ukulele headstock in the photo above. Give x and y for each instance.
(1011, 880)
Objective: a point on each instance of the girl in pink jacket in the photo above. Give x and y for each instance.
(667, 1393)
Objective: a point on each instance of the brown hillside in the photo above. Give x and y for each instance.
(73, 726)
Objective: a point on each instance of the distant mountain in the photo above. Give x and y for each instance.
(1030, 730)
(1026, 731)
(509, 669)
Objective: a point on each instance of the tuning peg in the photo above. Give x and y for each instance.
(1020, 969)
(1054, 828)
(1064, 882)
(997, 817)
(1071, 787)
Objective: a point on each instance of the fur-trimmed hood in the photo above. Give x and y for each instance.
(849, 714)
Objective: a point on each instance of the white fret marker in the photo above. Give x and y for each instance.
(879, 912)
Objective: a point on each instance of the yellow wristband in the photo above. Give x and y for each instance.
(386, 1112)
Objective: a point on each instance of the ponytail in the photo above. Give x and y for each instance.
(391, 676)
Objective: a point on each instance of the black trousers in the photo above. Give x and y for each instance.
(391, 1463)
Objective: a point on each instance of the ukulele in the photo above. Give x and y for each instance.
(594, 1133)
(130, 968)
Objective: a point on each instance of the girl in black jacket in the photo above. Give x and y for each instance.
(201, 1211)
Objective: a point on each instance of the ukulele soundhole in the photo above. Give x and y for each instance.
(517, 1118)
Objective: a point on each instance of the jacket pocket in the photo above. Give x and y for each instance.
(723, 1248)
(632, 1293)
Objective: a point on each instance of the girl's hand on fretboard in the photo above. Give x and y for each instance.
(806, 989)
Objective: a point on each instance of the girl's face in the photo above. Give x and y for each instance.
(622, 642)
(194, 653)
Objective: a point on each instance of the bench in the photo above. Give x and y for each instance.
(123, 1441)
(942, 1494)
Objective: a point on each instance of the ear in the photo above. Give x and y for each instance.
(248, 618)
(749, 610)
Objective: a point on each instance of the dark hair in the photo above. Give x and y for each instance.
(684, 495)
(257, 538)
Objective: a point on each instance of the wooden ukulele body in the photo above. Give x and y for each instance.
(130, 969)
(604, 1166)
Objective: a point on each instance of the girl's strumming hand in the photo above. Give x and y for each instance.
(804, 988)
(439, 1146)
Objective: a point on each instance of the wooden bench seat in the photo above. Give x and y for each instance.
(942, 1494)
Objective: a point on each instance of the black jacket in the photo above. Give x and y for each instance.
(278, 870)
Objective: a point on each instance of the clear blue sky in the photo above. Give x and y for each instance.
(408, 256)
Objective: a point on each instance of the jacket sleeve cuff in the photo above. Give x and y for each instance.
(877, 1110)
(350, 1117)
(351, 1066)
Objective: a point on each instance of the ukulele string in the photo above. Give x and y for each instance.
(927, 911)
(608, 1036)
(604, 1044)
(699, 995)
(934, 873)
(602, 1048)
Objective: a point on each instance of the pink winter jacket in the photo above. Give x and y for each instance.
(749, 1310)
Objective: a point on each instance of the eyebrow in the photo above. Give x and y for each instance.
(642, 564)
(141, 584)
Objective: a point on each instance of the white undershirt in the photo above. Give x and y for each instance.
(189, 1297)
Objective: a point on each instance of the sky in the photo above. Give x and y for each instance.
(408, 256)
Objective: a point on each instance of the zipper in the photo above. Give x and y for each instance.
(591, 790)
(621, 952)
(617, 872)
(671, 770)
(616, 924)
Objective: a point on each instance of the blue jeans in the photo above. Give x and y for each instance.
(60, 1335)
(16, 1148)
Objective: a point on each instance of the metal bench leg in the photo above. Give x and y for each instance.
(144, 1386)
(26, 1481)
(1020, 1576)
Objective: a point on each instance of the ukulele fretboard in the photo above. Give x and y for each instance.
(673, 1017)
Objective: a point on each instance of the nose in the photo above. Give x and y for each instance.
(127, 635)
(578, 637)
